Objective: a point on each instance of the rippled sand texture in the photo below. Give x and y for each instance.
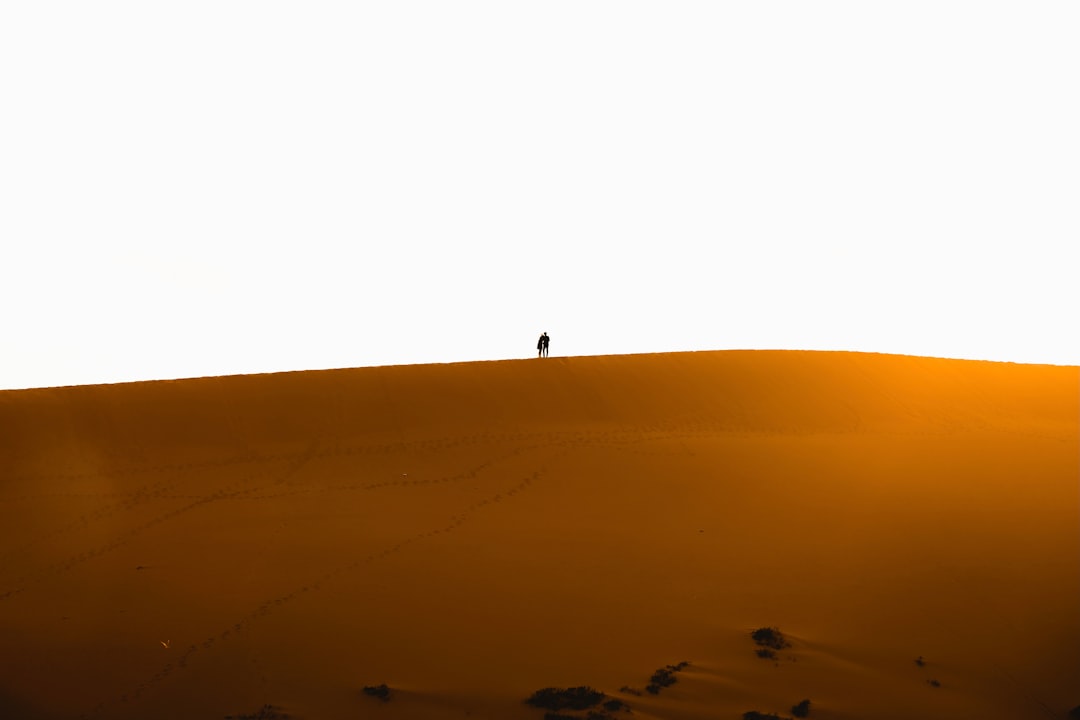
(467, 534)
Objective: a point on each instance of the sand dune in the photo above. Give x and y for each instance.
(469, 534)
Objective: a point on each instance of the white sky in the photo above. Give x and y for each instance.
(217, 187)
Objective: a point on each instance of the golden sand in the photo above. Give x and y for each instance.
(467, 534)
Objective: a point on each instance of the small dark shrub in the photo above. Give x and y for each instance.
(630, 691)
(934, 683)
(380, 691)
(920, 662)
(615, 705)
(755, 715)
(664, 677)
(766, 653)
(770, 637)
(575, 698)
(801, 710)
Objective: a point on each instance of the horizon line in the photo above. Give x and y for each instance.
(184, 378)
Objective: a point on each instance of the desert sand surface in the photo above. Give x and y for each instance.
(468, 534)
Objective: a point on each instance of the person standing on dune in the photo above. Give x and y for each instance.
(542, 345)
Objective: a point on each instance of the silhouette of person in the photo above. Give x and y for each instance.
(542, 345)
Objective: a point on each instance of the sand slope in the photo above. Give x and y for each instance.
(470, 533)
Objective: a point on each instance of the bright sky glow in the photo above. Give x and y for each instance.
(220, 187)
